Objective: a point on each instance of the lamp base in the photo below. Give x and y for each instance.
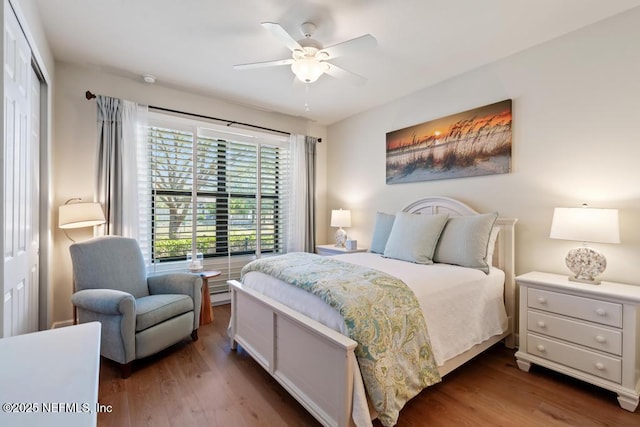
(586, 264)
(341, 238)
(589, 282)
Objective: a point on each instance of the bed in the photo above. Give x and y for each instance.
(298, 341)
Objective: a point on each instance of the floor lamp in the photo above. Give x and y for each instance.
(78, 215)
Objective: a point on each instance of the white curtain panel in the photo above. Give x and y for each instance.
(297, 215)
(134, 167)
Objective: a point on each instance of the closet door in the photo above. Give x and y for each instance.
(19, 158)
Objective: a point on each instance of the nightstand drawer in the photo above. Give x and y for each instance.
(577, 332)
(590, 362)
(593, 310)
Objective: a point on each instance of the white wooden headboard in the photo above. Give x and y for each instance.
(503, 256)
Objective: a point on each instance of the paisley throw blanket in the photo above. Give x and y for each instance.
(381, 314)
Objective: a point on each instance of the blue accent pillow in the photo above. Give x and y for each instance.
(465, 241)
(414, 237)
(381, 232)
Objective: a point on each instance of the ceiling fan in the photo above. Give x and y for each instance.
(309, 58)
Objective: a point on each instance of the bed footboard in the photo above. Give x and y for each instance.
(311, 361)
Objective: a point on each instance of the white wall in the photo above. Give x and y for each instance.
(576, 138)
(75, 138)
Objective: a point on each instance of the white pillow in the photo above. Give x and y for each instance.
(414, 237)
(381, 231)
(465, 241)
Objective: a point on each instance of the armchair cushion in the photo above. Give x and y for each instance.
(155, 309)
(179, 283)
(105, 301)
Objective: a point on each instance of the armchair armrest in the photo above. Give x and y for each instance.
(179, 283)
(116, 311)
(175, 283)
(105, 301)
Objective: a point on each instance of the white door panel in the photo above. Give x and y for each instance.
(21, 165)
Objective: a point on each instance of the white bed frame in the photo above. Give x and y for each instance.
(315, 363)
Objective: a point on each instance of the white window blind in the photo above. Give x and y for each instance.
(223, 191)
(171, 170)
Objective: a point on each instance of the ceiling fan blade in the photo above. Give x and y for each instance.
(282, 35)
(350, 46)
(341, 73)
(264, 64)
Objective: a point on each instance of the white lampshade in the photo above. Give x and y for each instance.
(78, 215)
(340, 218)
(585, 225)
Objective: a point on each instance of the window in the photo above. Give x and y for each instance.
(220, 191)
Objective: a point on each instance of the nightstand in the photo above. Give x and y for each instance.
(206, 311)
(590, 332)
(325, 250)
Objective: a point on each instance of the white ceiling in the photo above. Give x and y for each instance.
(193, 44)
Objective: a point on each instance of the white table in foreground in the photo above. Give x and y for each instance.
(51, 377)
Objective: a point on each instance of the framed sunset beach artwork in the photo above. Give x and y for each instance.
(471, 143)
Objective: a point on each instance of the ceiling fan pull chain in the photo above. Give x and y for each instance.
(306, 97)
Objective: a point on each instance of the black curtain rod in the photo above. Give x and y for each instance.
(228, 122)
(89, 95)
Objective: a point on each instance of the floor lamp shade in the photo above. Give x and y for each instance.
(586, 225)
(78, 215)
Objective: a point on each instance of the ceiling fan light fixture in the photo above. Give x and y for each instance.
(308, 70)
(309, 58)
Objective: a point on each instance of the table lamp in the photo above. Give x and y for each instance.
(585, 225)
(340, 218)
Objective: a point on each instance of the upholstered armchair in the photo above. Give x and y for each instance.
(140, 315)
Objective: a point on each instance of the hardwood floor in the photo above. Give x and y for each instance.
(206, 384)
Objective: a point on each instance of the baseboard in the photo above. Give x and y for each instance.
(62, 324)
(221, 298)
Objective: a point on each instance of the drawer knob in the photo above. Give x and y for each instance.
(541, 348)
(601, 339)
(600, 366)
(541, 324)
(601, 312)
(542, 300)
